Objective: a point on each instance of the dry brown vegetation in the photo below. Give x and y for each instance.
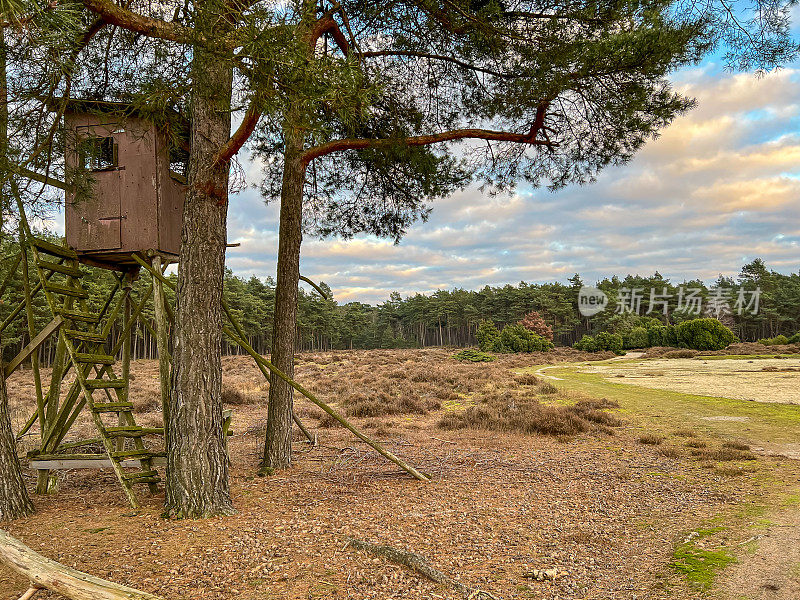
(650, 439)
(733, 349)
(521, 411)
(504, 499)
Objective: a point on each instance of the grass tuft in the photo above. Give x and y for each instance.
(651, 439)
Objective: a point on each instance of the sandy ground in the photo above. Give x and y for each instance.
(772, 570)
(761, 380)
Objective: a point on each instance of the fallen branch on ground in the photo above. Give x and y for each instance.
(44, 573)
(419, 564)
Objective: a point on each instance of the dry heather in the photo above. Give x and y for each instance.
(476, 395)
(521, 411)
(743, 348)
(375, 385)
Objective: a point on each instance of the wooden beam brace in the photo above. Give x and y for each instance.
(27, 173)
(37, 341)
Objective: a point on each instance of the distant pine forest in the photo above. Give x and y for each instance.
(445, 317)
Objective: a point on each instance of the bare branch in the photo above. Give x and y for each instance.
(240, 136)
(156, 28)
(424, 140)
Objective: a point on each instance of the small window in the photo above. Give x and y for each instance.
(98, 153)
(178, 164)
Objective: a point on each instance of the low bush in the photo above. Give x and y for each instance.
(472, 355)
(636, 338)
(488, 336)
(795, 339)
(669, 452)
(685, 353)
(662, 335)
(602, 341)
(704, 334)
(736, 445)
(723, 454)
(233, 397)
(545, 387)
(610, 341)
(513, 338)
(360, 404)
(522, 413)
(779, 340)
(587, 344)
(651, 439)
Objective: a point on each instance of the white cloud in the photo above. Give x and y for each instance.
(721, 186)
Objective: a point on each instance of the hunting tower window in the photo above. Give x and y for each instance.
(98, 153)
(178, 164)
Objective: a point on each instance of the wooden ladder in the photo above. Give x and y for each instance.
(60, 277)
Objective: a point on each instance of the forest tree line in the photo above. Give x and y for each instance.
(443, 318)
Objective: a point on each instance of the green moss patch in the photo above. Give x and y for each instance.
(700, 565)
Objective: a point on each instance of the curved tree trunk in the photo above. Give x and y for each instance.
(278, 444)
(197, 461)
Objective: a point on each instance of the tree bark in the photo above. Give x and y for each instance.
(14, 500)
(278, 444)
(197, 461)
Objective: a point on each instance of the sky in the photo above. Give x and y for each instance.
(720, 187)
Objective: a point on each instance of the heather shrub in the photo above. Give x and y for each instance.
(684, 353)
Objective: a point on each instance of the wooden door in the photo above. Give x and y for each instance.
(97, 218)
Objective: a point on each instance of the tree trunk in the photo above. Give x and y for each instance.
(278, 444)
(197, 461)
(14, 500)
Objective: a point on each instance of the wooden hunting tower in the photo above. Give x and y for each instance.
(136, 185)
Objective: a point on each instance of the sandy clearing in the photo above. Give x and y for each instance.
(727, 378)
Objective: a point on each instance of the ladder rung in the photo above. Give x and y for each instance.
(66, 290)
(131, 454)
(139, 475)
(133, 431)
(59, 268)
(112, 407)
(155, 479)
(75, 315)
(94, 359)
(69, 457)
(105, 384)
(53, 249)
(86, 336)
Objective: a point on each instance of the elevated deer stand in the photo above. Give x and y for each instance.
(131, 220)
(134, 208)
